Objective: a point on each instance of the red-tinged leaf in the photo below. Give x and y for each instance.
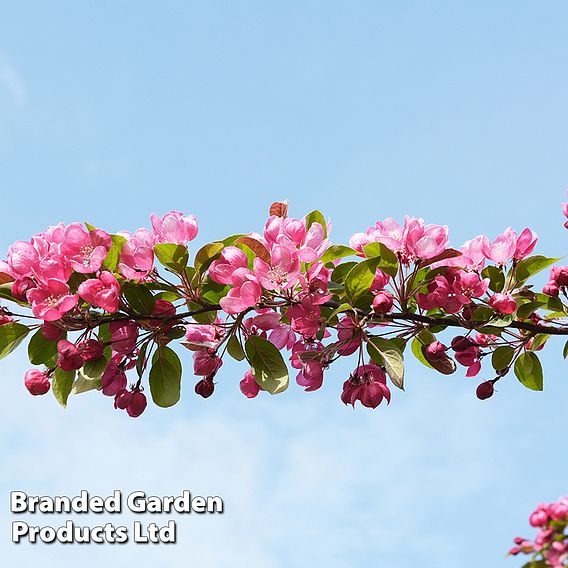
(445, 255)
(256, 246)
(5, 278)
(279, 208)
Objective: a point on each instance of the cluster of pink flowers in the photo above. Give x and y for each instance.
(551, 542)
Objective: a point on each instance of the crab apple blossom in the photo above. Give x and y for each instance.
(206, 362)
(137, 254)
(503, 303)
(69, 356)
(245, 293)
(113, 379)
(248, 385)
(37, 382)
(123, 336)
(85, 250)
(102, 291)
(52, 300)
(383, 302)
(174, 227)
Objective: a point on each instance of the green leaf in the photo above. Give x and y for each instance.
(502, 357)
(335, 252)
(388, 260)
(268, 366)
(529, 371)
(94, 369)
(62, 384)
(235, 349)
(165, 377)
(345, 307)
(531, 266)
(316, 217)
(496, 278)
(390, 356)
(139, 298)
(360, 278)
(41, 351)
(85, 384)
(341, 271)
(565, 350)
(206, 254)
(111, 260)
(141, 359)
(174, 257)
(11, 335)
(527, 309)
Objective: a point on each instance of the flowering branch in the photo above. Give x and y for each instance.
(102, 307)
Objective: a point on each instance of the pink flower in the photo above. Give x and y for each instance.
(315, 282)
(380, 281)
(123, 336)
(435, 351)
(51, 332)
(200, 336)
(51, 301)
(114, 379)
(134, 402)
(232, 258)
(21, 287)
(37, 382)
(311, 375)
(424, 241)
(283, 337)
(314, 245)
(503, 303)
(174, 227)
(559, 274)
(69, 357)
(349, 334)
(85, 251)
(525, 244)
(305, 318)
(90, 349)
(249, 387)
(539, 518)
(565, 211)
(502, 249)
(137, 255)
(206, 362)
(282, 272)
(101, 292)
(368, 385)
(22, 259)
(551, 289)
(383, 302)
(246, 292)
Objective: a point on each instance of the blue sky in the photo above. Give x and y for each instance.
(452, 111)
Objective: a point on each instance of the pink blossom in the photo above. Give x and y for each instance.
(102, 292)
(281, 273)
(137, 254)
(435, 351)
(283, 337)
(51, 301)
(380, 281)
(123, 336)
(134, 401)
(368, 385)
(424, 241)
(90, 349)
(85, 250)
(383, 302)
(221, 270)
(503, 303)
(301, 347)
(249, 387)
(37, 382)
(565, 211)
(349, 334)
(200, 336)
(206, 362)
(51, 332)
(311, 375)
(315, 282)
(315, 244)
(525, 244)
(174, 227)
(305, 318)
(246, 292)
(114, 379)
(21, 287)
(472, 256)
(69, 357)
(502, 249)
(22, 259)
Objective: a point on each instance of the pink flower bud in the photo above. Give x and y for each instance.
(206, 362)
(551, 289)
(123, 336)
(539, 518)
(20, 288)
(122, 399)
(51, 332)
(383, 302)
(249, 387)
(485, 390)
(137, 404)
(205, 387)
(503, 303)
(435, 351)
(37, 382)
(91, 349)
(69, 358)
(113, 379)
(559, 274)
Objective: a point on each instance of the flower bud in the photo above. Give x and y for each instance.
(137, 404)
(435, 351)
(383, 302)
(205, 387)
(503, 303)
(51, 332)
(69, 358)
(122, 399)
(37, 382)
(20, 288)
(91, 349)
(551, 289)
(461, 343)
(485, 390)
(249, 387)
